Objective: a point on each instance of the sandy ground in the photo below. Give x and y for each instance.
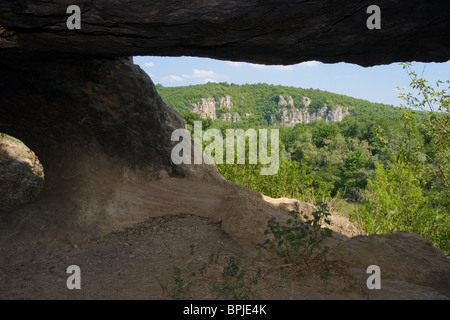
(185, 257)
(185, 239)
(149, 260)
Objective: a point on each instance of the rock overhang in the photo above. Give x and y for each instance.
(267, 32)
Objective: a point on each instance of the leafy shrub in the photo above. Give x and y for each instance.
(238, 281)
(299, 242)
(394, 200)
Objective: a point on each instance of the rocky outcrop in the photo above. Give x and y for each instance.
(327, 31)
(401, 271)
(225, 102)
(236, 117)
(206, 108)
(291, 117)
(21, 174)
(306, 101)
(115, 110)
(230, 117)
(290, 101)
(107, 128)
(226, 117)
(282, 101)
(337, 114)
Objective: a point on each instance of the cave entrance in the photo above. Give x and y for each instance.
(21, 174)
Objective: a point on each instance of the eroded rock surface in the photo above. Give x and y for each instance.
(96, 125)
(293, 116)
(206, 108)
(270, 32)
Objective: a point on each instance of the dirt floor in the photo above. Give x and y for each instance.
(171, 257)
(185, 239)
(184, 257)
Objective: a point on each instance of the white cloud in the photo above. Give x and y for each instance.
(197, 74)
(312, 63)
(203, 74)
(258, 66)
(173, 78)
(149, 64)
(234, 63)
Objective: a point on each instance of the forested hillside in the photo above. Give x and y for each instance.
(261, 101)
(379, 165)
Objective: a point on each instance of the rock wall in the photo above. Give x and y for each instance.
(283, 102)
(291, 117)
(338, 114)
(230, 117)
(110, 104)
(306, 101)
(107, 127)
(225, 102)
(206, 108)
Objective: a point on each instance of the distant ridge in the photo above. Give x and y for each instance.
(265, 105)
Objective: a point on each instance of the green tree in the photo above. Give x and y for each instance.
(394, 200)
(354, 173)
(428, 143)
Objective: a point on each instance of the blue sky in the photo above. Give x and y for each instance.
(376, 84)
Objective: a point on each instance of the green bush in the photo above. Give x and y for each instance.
(394, 200)
(238, 281)
(299, 242)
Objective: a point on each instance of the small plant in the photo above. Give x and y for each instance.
(300, 242)
(179, 290)
(238, 282)
(214, 256)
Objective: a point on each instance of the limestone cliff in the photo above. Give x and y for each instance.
(283, 102)
(230, 117)
(287, 113)
(225, 102)
(290, 117)
(206, 108)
